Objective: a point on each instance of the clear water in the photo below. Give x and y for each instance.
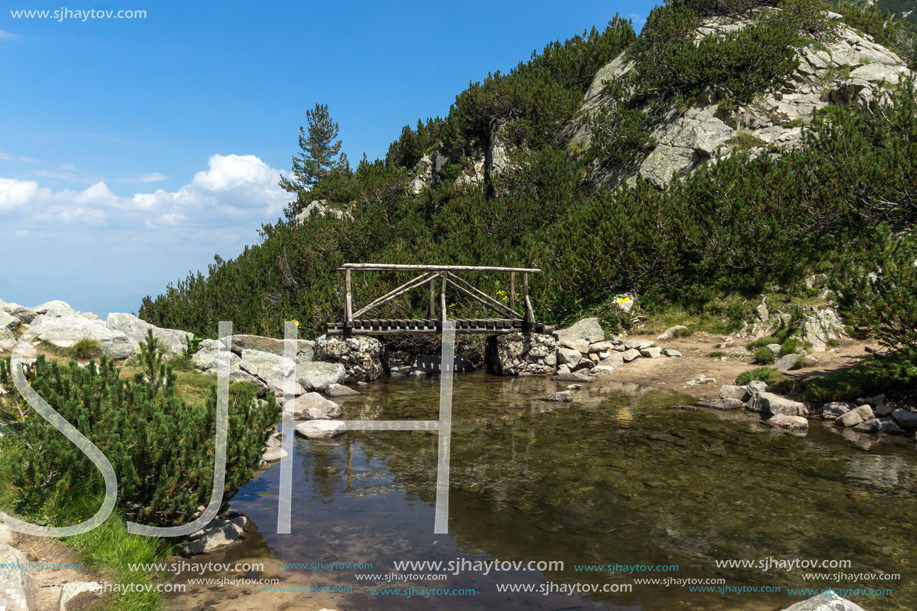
(615, 477)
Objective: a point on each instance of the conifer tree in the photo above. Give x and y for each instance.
(321, 154)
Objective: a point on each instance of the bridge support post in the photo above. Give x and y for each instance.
(348, 300)
(512, 291)
(529, 314)
(432, 315)
(442, 299)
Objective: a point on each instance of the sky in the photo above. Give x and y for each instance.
(134, 149)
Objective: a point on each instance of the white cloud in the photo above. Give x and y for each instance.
(233, 186)
(5, 156)
(8, 36)
(151, 177)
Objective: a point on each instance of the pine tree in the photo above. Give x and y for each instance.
(321, 154)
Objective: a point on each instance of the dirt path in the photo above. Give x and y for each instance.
(674, 373)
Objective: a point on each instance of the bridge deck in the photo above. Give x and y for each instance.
(462, 325)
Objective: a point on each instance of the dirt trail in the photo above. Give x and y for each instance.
(674, 373)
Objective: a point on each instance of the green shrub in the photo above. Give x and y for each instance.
(160, 447)
(86, 349)
(682, 332)
(892, 375)
(764, 356)
(876, 292)
(793, 344)
(776, 381)
(716, 354)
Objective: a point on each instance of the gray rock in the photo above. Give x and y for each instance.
(70, 591)
(701, 380)
(321, 429)
(24, 314)
(304, 349)
(828, 601)
(629, 355)
(8, 535)
(739, 393)
(8, 321)
(666, 162)
(855, 416)
(572, 377)
(217, 535)
(879, 425)
(16, 587)
(54, 309)
(833, 411)
(637, 344)
(321, 208)
(601, 370)
(721, 404)
(65, 331)
(319, 376)
(338, 390)
(313, 406)
(579, 345)
(270, 369)
(362, 357)
(905, 418)
(564, 396)
(599, 347)
(569, 357)
(796, 423)
(770, 404)
(274, 454)
(585, 328)
(774, 348)
(614, 359)
(670, 332)
(172, 340)
(651, 353)
(208, 361)
(524, 354)
(756, 386)
(670, 352)
(787, 362)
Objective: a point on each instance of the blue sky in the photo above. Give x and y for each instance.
(133, 150)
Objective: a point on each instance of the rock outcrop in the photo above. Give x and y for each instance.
(363, 358)
(520, 354)
(851, 67)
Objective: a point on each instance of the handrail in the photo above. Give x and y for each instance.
(433, 268)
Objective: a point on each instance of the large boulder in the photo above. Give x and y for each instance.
(66, 331)
(24, 314)
(270, 369)
(363, 358)
(794, 423)
(313, 406)
(515, 354)
(8, 321)
(770, 404)
(16, 587)
(317, 375)
(587, 329)
(855, 416)
(54, 309)
(206, 359)
(321, 429)
(835, 409)
(172, 340)
(274, 346)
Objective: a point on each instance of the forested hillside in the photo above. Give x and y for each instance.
(499, 181)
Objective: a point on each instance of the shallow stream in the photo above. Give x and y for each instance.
(614, 477)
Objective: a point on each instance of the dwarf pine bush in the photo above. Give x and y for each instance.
(161, 449)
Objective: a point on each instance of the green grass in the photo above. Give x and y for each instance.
(776, 381)
(764, 356)
(86, 349)
(892, 375)
(716, 354)
(761, 343)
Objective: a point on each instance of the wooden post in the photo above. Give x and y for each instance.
(512, 291)
(348, 300)
(529, 315)
(432, 300)
(442, 299)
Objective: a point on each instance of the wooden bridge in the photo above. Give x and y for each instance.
(443, 276)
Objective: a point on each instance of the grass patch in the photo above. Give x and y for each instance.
(718, 354)
(86, 349)
(776, 381)
(763, 342)
(764, 356)
(682, 332)
(892, 375)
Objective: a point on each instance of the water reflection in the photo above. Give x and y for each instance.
(614, 477)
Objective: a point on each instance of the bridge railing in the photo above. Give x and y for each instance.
(445, 276)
